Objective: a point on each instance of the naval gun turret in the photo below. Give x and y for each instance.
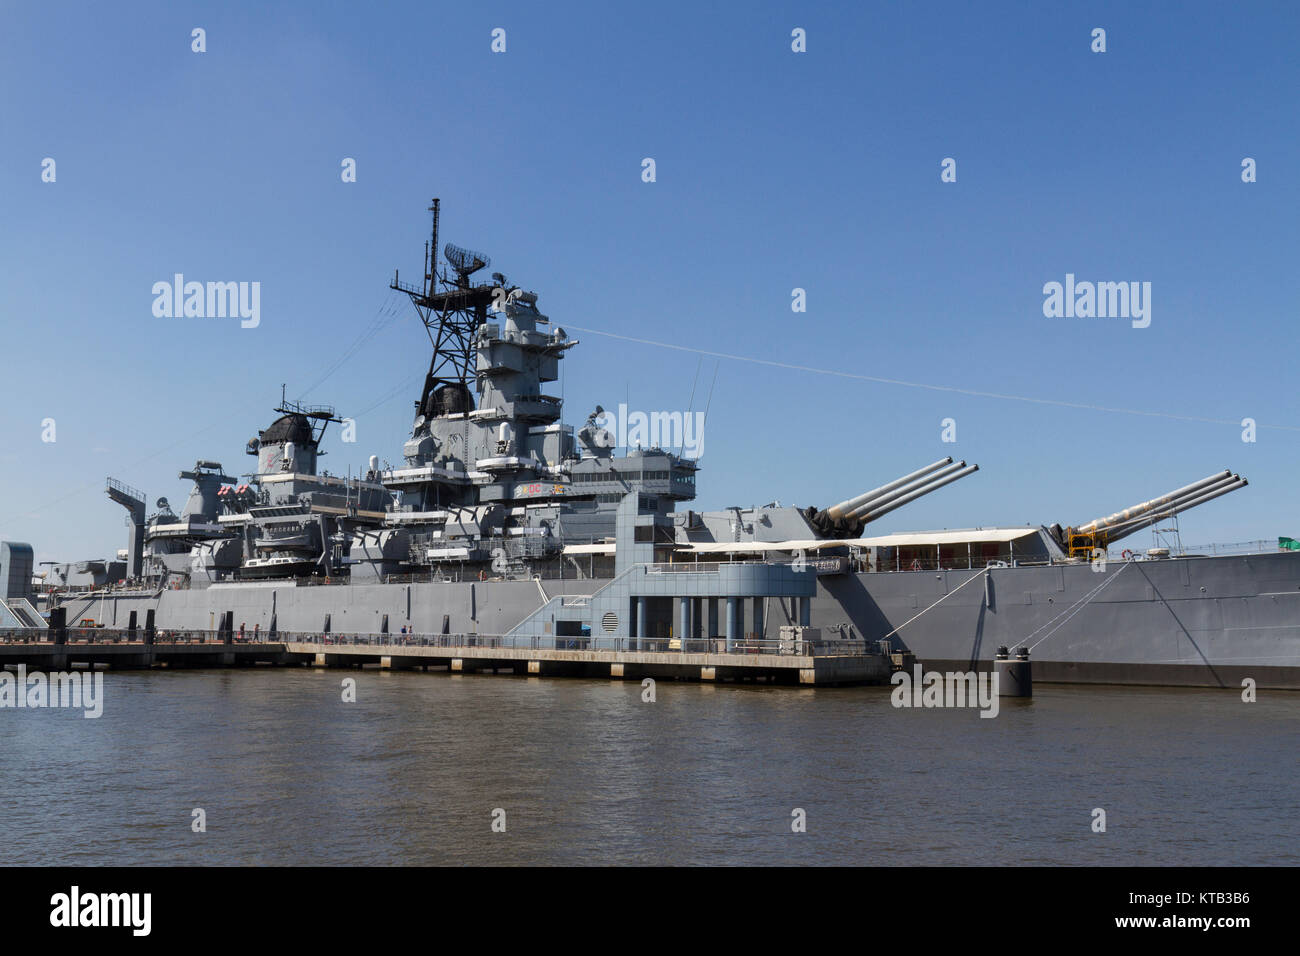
(1093, 538)
(847, 518)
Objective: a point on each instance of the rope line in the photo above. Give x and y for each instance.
(1075, 608)
(938, 602)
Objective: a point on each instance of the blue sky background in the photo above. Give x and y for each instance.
(775, 170)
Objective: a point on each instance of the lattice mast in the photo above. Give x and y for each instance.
(451, 309)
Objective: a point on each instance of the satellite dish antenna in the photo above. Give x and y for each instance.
(465, 261)
(163, 505)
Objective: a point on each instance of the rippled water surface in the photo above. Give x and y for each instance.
(288, 773)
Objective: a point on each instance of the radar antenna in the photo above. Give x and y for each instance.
(465, 261)
(452, 309)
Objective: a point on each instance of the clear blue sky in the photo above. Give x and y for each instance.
(775, 170)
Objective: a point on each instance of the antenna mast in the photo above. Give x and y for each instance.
(451, 310)
(431, 262)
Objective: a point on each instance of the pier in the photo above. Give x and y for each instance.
(762, 661)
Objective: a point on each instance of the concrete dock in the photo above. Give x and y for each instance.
(766, 662)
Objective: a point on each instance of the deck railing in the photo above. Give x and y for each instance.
(599, 642)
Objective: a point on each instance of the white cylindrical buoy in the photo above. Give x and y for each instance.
(1015, 677)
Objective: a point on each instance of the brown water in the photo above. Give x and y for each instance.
(587, 773)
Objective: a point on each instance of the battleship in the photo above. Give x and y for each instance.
(503, 520)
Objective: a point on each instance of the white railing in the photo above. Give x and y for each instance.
(747, 645)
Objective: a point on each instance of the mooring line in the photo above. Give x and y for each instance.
(938, 602)
(1075, 608)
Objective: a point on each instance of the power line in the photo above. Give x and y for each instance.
(383, 317)
(927, 385)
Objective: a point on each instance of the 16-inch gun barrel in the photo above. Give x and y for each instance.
(844, 508)
(925, 484)
(947, 476)
(1196, 498)
(1128, 514)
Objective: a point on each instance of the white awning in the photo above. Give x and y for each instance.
(589, 548)
(437, 554)
(762, 547)
(973, 536)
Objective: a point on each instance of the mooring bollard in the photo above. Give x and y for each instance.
(1015, 676)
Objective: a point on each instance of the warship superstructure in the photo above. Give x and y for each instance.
(501, 520)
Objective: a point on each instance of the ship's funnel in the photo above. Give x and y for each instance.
(1232, 483)
(1128, 514)
(883, 509)
(879, 501)
(851, 504)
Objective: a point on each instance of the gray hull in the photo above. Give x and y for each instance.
(1187, 621)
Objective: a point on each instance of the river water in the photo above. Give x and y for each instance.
(287, 772)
